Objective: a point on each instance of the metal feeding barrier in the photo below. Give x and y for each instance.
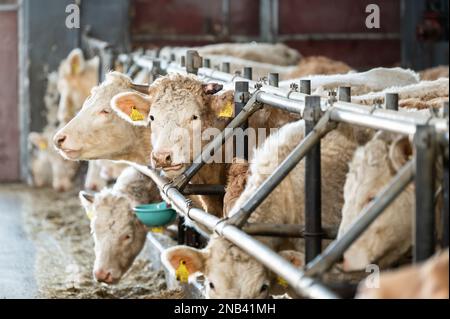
(321, 115)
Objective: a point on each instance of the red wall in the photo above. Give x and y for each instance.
(9, 125)
(200, 17)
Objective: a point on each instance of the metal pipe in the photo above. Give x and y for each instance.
(384, 198)
(239, 216)
(424, 239)
(391, 101)
(284, 230)
(302, 284)
(216, 143)
(203, 189)
(273, 79)
(280, 103)
(248, 73)
(313, 198)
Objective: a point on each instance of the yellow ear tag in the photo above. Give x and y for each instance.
(182, 273)
(157, 229)
(135, 115)
(89, 214)
(282, 282)
(227, 110)
(42, 145)
(74, 67)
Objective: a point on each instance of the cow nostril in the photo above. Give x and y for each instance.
(60, 140)
(168, 158)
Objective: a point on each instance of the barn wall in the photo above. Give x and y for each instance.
(9, 124)
(157, 22)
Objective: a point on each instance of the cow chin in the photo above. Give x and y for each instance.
(172, 173)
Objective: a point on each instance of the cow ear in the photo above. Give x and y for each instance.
(76, 61)
(211, 88)
(294, 257)
(223, 104)
(400, 151)
(38, 140)
(133, 107)
(87, 200)
(179, 256)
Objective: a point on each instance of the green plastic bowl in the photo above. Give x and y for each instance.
(155, 215)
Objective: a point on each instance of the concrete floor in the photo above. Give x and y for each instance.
(16, 250)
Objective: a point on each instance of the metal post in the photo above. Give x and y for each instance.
(241, 97)
(445, 208)
(183, 61)
(226, 67)
(424, 239)
(193, 61)
(248, 73)
(207, 63)
(313, 201)
(305, 86)
(155, 71)
(391, 101)
(273, 79)
(384, 198)
(172, 57)
(344, 93)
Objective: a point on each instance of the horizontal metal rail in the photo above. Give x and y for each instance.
(285, 230)
(306, 286)
(351, 113)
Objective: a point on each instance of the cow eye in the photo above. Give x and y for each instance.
(127, 237)
(264, 287)
(104, 111)
(211, 285)
(194, 117)
(370, 199)
(152, 118)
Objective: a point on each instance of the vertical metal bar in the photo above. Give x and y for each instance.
(191, 61)
(344, 94)
(207, 63)
(424, 230)
(241, 97)
(305, 86)
(172, 57)
(248, 73)
(391, 101)
(183, 61)
(313, 198)
(274, 79)
(226, 67)
(445, 208)
(181, 230)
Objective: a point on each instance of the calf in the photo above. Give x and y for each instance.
(362, 82)
(118, 235)
(230, 272)
(96, 132)
(49, 164)
(428, 280)
(181, 109)
(76, 78)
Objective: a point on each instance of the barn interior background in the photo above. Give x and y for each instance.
(34, 39)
